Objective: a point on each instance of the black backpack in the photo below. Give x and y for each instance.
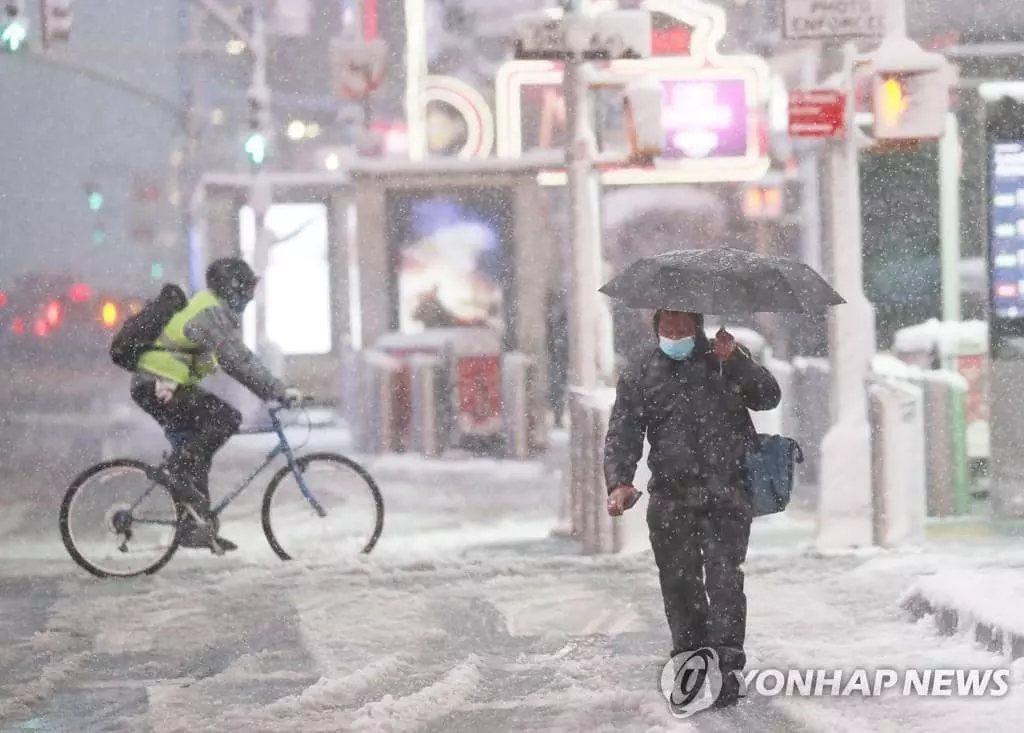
(138, 333)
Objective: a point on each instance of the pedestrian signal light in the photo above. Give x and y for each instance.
(892, 105)
(910, 106)
(108, 314)
(643, 105)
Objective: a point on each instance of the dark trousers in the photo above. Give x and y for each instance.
(198, 423)
(700, 550)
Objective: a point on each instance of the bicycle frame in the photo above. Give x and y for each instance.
(283, 447)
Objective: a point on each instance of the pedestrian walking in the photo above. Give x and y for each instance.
(689, 397)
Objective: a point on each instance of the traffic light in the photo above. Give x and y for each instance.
(257, 143)
(13, 27)
(643, 105)
(95, 200)
(256, 148)
(156, 271)
(57, 17)
(910, 91)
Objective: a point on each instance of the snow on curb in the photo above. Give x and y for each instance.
(985, 604)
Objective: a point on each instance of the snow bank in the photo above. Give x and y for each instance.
(984, 603)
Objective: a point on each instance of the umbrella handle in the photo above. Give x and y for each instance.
(721, 367)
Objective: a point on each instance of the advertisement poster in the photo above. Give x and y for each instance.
(451, 254)
(297, 282)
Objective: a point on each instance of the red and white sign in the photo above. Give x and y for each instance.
(817, 113)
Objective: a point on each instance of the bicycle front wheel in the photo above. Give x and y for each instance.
(116, 522)
(335, 509)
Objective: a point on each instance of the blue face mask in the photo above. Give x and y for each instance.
(677, 348)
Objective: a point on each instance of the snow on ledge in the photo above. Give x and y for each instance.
(982, 602)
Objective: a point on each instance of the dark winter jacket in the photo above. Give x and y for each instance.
(694, 413)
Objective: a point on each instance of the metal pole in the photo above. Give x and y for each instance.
(844, 511)
(583, 288)
(188, 164)
(949, 226)
(260, 193)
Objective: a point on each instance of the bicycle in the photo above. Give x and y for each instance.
(125, 520)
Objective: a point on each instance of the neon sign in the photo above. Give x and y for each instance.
(471, 106)
(713, 113)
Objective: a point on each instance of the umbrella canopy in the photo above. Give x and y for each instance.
(722, 282)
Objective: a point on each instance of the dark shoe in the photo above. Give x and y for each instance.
(733, 688)
(204, 536)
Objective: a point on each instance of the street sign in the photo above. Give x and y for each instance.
(358, 67)
(817, 113)
(810, 19)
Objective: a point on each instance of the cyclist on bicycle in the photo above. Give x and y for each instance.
(203, 336)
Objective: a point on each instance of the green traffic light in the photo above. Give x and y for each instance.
(156, 271)
(95, 201)
(13, 36)
(99, 236)
(256, 148)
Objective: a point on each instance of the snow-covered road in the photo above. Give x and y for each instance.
(514, 640)
(466, 618)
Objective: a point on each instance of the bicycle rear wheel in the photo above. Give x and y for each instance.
(116, 522)
(352, 516)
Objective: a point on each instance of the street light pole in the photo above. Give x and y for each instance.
(260, 191)
(583, 240)
(845, 506)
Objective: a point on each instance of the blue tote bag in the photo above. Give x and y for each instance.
(770, 473)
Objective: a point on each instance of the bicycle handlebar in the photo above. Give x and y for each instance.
(277, 406)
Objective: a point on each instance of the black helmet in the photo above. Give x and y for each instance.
(233, 281)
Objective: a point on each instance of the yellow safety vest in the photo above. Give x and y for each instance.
(175, 356)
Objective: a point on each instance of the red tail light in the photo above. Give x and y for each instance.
(53, 314)
(79, 293)
(3, 299)
(18, 326)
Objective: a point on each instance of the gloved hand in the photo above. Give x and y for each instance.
(292, 397)
(164, 389)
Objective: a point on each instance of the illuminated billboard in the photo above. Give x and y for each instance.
(298, 278)
(451, 252)
(715, 111)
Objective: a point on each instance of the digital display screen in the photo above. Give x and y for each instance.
(298, 278)
(703, 119)
(452, 258)
(1006, 229)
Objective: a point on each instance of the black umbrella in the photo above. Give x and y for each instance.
(722, 282)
